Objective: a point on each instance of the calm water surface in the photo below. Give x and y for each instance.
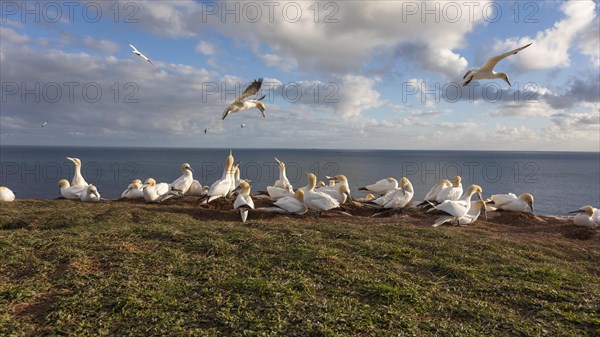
(560, 181)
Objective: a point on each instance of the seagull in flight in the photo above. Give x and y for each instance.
(240, 104)
(486, 71)
(243, 125)
(45, 123)
(138, 53)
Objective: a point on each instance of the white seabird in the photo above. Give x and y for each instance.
(587, 216)
(381, 187)
(6, 195)
(432, 195)
(90, 194)
(134, 190)
(197, 189)
(486, 71)
(398, 198)
(220, 188)
(71, 192)
(293, 204)
(240, 103)
(244, 202)
(339, 191)
(154, 192)
(138, 53)
(460, 207)
(318, 201)
(45, 123)
(510, 202)
(77, 177)
(182, 184)
(475, 210)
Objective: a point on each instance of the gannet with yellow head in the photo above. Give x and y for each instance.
(243, 202)
(587, 216)
(510, 202)
(134, 190)
(460, 207)
(70, 192)
(154, 192)
(77, 177)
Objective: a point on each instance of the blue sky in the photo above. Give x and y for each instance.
(367, 61)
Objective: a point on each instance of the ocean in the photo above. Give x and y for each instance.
(559, 181)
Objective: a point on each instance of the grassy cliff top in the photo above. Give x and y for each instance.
(128, 268)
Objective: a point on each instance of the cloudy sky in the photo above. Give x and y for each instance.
(337, 74)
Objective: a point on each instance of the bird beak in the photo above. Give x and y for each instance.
(96, 194)
(480, 197)
(531, 206)
(70, 159)
(507, 81)
(577, 211)
(349, 196)
(277, 160)
(485, 214)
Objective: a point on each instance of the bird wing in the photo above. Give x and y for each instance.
(491, 62)
(243, 200)
(219, 188)
(433, 192)
(251, 89)
(503, 199)
(162, 188)
(182, 184)
(132, 47)
(453, 207)
(467, 73)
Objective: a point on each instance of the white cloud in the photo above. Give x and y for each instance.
(551, 47)
(10, 35)
(356, 94)
(205, 48)
(590, 43)
(102, 45)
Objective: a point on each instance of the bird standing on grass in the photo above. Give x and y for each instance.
(243, 202)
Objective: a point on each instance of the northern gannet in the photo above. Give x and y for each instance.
(475, 210)
(240, 103)
(459, 208)
(182, 184)
(293, 204)
(486, 71)
(154, 192)
(382, 186)
(244, 202)
(90, 194)
(134, 190)
(77, 177)
(6, 195)
(71, 192)
(220, 188)
(138, 53)
(452, 192)
(339, 191)
(432, 195)
(397, 199)
(283, 181)
(510, 202)
(318, 201)
(197, 189)
(587, 216)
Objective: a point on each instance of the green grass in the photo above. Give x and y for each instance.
(70, 268)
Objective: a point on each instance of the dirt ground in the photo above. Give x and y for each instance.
(510, 225)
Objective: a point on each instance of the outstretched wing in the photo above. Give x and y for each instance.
(250, 90)
(491, 63)
(132, 47)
